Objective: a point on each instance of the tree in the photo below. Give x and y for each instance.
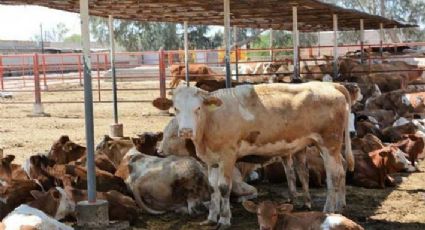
(75, 38)
(400, 10)
(55, 34)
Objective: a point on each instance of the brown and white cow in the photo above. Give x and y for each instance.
(42, 213)
(373, 169)
(222, 126)
(273, 216)
(164, 184)
(64, 151)
(196, 72)
(412, 145)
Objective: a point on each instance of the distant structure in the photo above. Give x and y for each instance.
(17, 47)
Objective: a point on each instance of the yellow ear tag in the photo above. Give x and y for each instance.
(212, 107)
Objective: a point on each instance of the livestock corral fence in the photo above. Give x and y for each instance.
(40, 74)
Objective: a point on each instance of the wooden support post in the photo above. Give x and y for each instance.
(381, 38)
(362, 40)
(227, 42)
(295, 42)
(335, 48)
(186, 54)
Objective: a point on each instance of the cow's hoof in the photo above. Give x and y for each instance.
(221, 226)
(207, 223)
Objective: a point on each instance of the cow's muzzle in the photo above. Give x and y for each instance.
(186, 133)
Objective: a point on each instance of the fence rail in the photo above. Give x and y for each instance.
(40, 73)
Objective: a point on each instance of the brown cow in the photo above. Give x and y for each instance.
(280, 217)
(412, 145)
(64, 151)
(196, 72)
(373, 169)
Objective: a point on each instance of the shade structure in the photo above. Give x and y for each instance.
(313, 15)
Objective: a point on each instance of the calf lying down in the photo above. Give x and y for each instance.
(278, 217)
(43, 213)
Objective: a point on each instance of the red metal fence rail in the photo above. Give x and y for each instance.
(21, 73)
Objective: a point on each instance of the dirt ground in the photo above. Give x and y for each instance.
(402, 207)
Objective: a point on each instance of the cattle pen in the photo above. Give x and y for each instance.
(54, 83)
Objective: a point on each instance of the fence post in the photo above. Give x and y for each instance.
(79, 70)
(98, 76)
(1, 73)
(162, 73)
(43, 63)
(38, 107)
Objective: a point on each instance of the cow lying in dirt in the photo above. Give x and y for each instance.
(165, 184)
(373, 169)
(279, 217)
(252, 114)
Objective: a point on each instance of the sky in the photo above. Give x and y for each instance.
(23, 22)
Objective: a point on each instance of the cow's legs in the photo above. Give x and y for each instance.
(214, 208)
(335, 179)
(225, 187)
(300, 161)
(290, 176)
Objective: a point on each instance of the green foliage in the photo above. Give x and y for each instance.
(75, 38)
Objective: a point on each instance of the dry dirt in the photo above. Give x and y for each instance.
(402, 207)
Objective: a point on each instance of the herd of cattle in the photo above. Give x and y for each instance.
(221, 139)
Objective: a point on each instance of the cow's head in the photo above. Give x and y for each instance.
(191, 106)
(64, 151)
(267, 212)
(55, 202)
(396, 160)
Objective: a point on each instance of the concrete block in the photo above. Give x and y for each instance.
(116, 130)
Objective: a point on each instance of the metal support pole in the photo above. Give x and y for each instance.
(162, 89)
(295, 41)
(1, 74)
(88, 101)
(271, 44)
(186, 54)
(37, 93)
(113, 71)
(235, 44)
(227, 42)
(318, 43)
(335, 49)
(41, 38)
(381, 38)
(43, 63)
(397, 40)
(362, 40)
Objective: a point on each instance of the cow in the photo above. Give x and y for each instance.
(35, 167)
(120, 207)
(373, 169)
(14, 193)
(64, 151)
(412, 145)
(41, 213)
(196, 72)
(380, 118)
(267, 120)
(273, 216)
(165, 184)
(400, 101)
(395, 133)
(105, 181)
(173, 145)
(367, 144)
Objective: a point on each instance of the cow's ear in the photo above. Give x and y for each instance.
(213, 101)
(250, 206)
(55, 194)
(162, 103)
(159, 136)
(8, 159)
(284, 208)
(36, 194)
(63, 139)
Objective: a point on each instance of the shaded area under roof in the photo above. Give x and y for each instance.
(313, 15)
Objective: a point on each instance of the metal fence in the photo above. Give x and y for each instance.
(41, 73)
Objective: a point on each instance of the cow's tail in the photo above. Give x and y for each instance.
(141, 203)
(348, 151)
